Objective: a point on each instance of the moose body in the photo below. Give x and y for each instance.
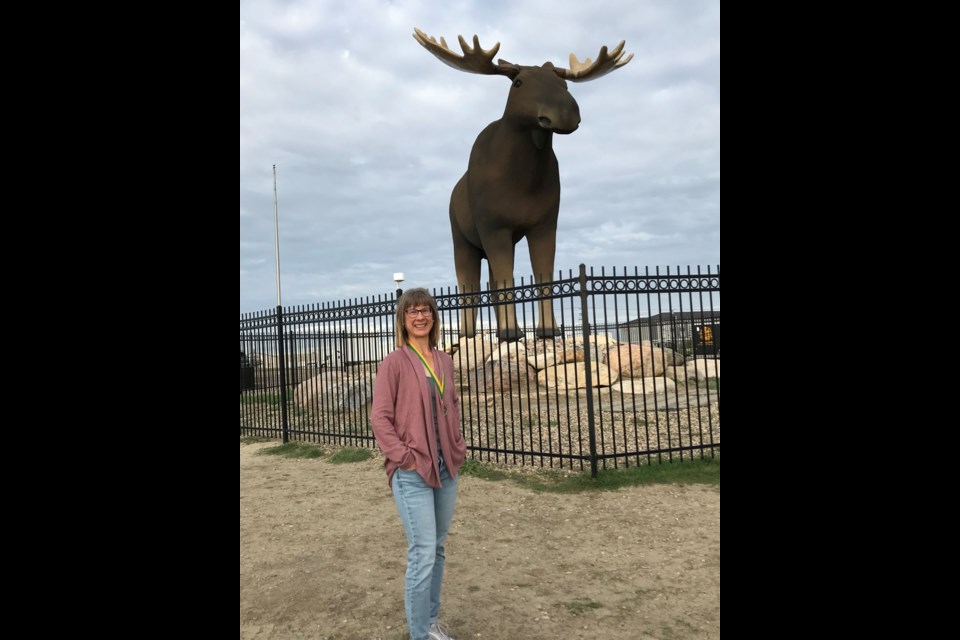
(511, 189)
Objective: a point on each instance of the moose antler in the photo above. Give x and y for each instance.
(473, 60)
(588, 70)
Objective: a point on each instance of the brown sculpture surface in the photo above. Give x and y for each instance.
(511, 189)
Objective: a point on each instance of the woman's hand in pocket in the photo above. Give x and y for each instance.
(410, 466)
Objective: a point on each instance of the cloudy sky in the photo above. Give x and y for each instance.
(370, 133)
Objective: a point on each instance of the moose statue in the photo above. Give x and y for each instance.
(511, 189)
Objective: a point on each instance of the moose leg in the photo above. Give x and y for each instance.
(500, 257)
(467, 258)
(543, 249)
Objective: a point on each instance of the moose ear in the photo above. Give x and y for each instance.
(508, 69)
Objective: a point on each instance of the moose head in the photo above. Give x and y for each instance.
(511, 189)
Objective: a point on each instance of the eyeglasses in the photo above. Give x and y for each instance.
(413, 313)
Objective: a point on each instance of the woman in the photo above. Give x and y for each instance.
(416, 420)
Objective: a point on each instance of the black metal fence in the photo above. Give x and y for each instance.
(633, 376)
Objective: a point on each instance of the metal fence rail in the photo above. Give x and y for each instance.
(632, 378)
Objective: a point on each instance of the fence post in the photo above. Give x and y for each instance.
(284, 419)
(585, 326)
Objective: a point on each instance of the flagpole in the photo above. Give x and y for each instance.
(281, 346)
(276, 231)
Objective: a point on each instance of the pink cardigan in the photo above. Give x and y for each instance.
(403, 422)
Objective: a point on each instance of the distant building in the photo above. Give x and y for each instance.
(694, 331)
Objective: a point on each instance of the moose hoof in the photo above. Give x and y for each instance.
(509, 335)
(547, 332)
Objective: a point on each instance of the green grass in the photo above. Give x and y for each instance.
(706, 471)
(483, 471)
(293, 450)
(303, 450)
(697, 471)
(271, 399)
(351, 454)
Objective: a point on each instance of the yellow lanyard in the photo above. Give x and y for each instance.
(440, 382)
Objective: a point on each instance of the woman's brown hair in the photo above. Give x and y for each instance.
(413, 298)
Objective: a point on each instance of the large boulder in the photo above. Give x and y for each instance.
(574, 376)
(635, 386)
(703, 368)
(542, 354)
(678, 374)
(642, 360)
(475, 351)
(505, 376)
(573, 350)
(470, 354)
(307, 393)
(510, 351)
(329, 391)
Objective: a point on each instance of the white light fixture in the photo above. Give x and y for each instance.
(398, 278)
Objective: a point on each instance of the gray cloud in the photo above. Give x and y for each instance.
(370, 133)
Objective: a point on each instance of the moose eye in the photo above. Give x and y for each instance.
(517, 84)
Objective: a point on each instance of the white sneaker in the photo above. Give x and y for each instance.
(439, 632)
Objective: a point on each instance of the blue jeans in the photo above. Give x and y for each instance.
(426, 513)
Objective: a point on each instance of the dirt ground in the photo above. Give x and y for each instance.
(322, 556)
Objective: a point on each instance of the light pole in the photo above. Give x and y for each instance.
(398, 278)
